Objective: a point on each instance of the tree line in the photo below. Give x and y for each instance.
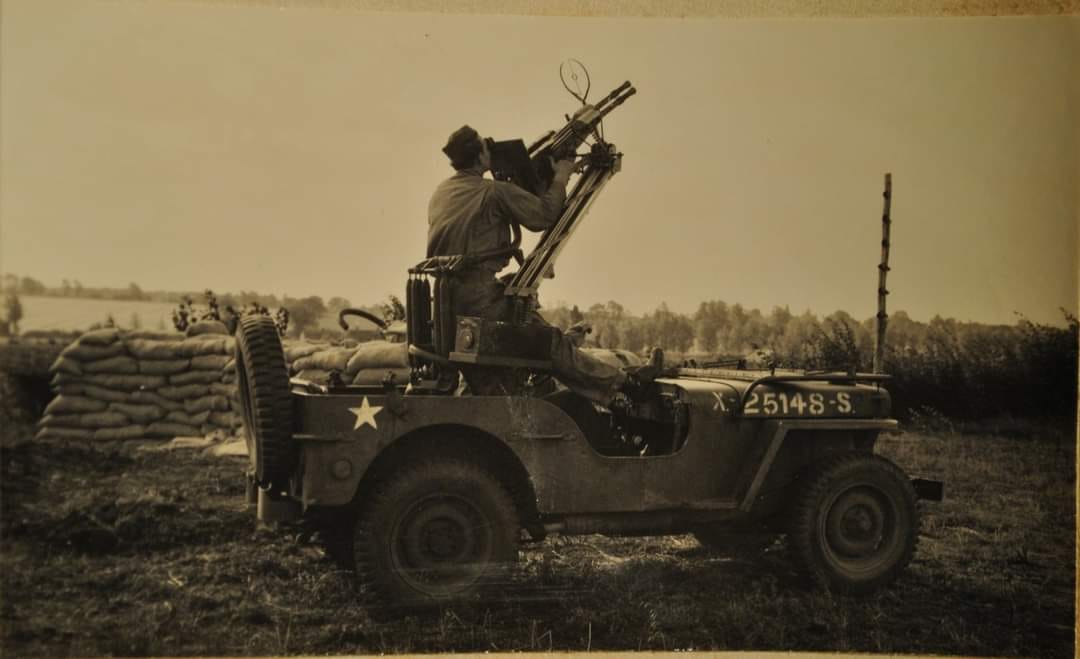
(959, 369)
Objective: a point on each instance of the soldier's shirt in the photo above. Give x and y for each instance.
(469, 213)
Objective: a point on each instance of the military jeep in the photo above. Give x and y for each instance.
(427, 492)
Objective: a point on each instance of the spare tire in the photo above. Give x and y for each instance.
(262, 378)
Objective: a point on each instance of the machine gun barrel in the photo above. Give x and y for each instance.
(617, 102)
(610, 97)
(567, 139)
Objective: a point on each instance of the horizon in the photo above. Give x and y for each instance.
(292, 152)
(1060, 322)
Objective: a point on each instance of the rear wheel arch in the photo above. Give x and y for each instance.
(459, 442)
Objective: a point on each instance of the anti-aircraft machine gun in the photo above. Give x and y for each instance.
(438, 339)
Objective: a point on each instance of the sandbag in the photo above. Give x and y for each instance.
(125, 432)
(195, 377)
(101, 337)
(230, 447)
(221, 389)
(294, 351)
(71, 389)
(195, 419)
(118, 365)
(171, 429)
(60, 379)
(101, 393)
(614, 357)
(185, 392)
(66, 365)
(138, 413)
(229, 377)
(151, 349)
(206, 403)
(61, 421)
(54, 432)
(313, 375)
(154, 398)
(206, 327)
(86, 353)
(74, 405)
(376, 375)
(153, 335)
(225, 419)
(229, 365)
(378, 354)
(125, 382)
(164, 366)
(104, 420)
(333, 359)
(210, 363)
(206, 345)
(229, 345)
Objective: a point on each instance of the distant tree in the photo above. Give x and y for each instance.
(65, 288)
(136, 322)
(336, 304)
(575, 315)
(13, 311)
(304, 313)
(633, 335)
(393, 309)
(708, 320)
(31, 286)
(134, 292)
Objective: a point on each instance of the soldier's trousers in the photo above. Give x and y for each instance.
(479, 293)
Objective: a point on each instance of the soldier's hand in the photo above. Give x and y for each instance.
(563, 169)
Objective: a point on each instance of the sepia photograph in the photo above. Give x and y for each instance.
(363, 328)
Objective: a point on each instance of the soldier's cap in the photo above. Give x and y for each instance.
(463, 147)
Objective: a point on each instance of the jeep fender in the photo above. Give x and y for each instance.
(342, 436)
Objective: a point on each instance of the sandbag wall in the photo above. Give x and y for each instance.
(116, 385)
(113, 384)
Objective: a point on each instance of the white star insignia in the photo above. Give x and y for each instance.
(719, 402)
(365, 414)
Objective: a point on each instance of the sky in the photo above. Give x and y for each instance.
(293, 151)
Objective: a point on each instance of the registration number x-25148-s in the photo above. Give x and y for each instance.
(782, 403)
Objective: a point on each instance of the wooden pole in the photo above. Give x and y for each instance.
(883, 270)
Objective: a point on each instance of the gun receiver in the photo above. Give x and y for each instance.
(530, 168)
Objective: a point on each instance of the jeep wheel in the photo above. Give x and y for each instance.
(435, 532)
(854, 527)
(262, 380)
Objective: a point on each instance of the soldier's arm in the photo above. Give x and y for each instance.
(528, 210)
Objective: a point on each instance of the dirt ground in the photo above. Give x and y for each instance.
(121, 552)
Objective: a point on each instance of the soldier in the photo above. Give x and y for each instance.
(469, 214)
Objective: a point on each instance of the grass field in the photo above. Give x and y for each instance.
(135, 553)
(70, 313)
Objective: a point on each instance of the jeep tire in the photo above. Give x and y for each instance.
(434, 532)
(853, 526)
(262, 379)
